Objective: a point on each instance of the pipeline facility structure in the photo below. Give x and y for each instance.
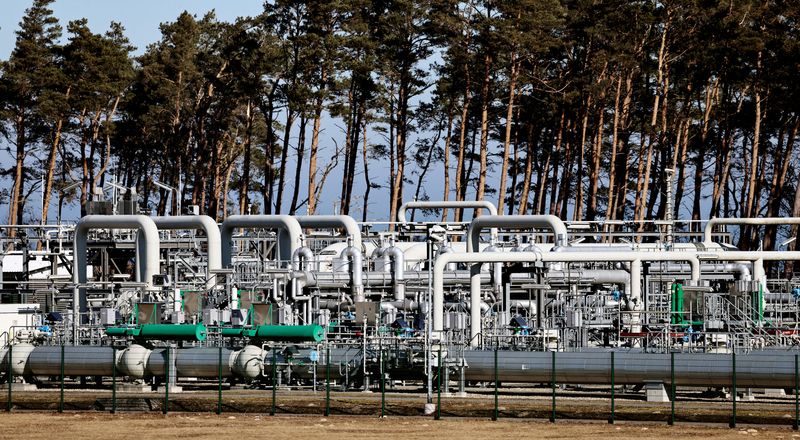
(175, 300)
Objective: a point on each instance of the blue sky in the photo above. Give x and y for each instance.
(140, 17)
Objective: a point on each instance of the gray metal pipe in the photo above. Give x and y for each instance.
(518, 222)
(302, 258)
(398, 271)
(343, 222)
(769, 369)
(148, 247)
(289, 233)
(211, 229)
(356, 275)
(754, 221)
(476, 204)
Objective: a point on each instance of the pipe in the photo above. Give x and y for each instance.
(515, 221)
(303, 254)
(343, 222)
(757, 221)
(289, 235)
(477, 204)
(634, 258)
(211, 229)
(398, 272)
(148, 245)
(356, 263)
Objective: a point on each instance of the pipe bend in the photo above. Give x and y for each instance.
(209, 227)
(398, 271)
(477, 204)
(343, 222)
(289, 237)
(551, 222)
(356, 263)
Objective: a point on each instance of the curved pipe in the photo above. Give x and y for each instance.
(343, 222)
(211, 229)
(756, 221)
(302, 255)
(476, 204)
(288, 236)
(515, 221)
(356, 262)
(148, 247)
(398, 270)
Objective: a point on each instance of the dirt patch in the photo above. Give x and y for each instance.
(198, 426)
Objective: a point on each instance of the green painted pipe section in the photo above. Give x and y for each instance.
(238, 332)
(172, 332)
(290, 333)
(122, 331)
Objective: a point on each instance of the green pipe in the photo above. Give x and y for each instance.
(172, 332)
(238, 332)
(290, 333)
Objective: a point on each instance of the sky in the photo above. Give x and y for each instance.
(139, 17)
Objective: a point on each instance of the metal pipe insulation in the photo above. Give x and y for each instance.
(356, 267)
(634, 258)
(148, 247)
(477, 204)
(343, 222)
(289, 233)
(755, 221)
(515, 221)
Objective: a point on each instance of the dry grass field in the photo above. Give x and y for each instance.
(91, 426)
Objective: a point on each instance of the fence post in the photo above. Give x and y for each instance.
(61, 398)
(219, 381)
(274, 380)
(553, 384)
(113, 380)
(383, 379)
(672, 388)
(611, 419)
(496, 387)
(327, 380)
(10, 376)
(795, 425)
(732, 424)
(166, 382)
(439, 386)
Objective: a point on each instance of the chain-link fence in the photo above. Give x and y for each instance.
(71, 378)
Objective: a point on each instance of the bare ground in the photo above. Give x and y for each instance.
(89, 426)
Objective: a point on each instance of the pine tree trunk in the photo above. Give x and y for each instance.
(512, 83)
(484, 152)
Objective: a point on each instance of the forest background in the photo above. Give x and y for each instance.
(569, 107)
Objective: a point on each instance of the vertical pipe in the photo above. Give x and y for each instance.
(672, 388)
(383, 380)
(327, 381)
(10, 377)
(61, 399)
(439, 384)
(166, 382)
(732, 424)
(611, 419)
(274, 380)
(496, 391)
(113, 380)
(475, 305)
(796, 425)
(553, 385)
(219, 381)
